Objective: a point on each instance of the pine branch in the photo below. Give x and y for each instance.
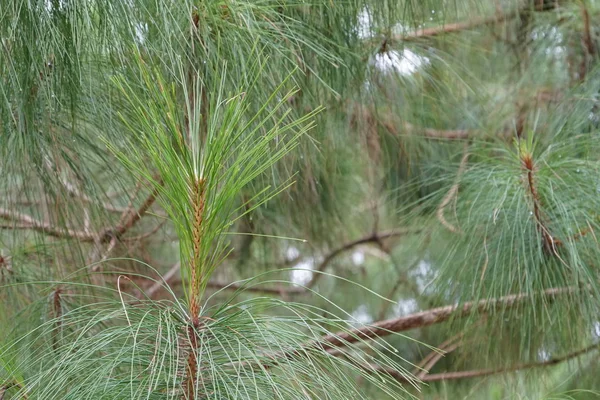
(233, 286)
(128, 220)
(588, 43)
(372, 238)
(25, 221)
(156, 286)
(549, 243)
(375, 237)
(465, 26)
(7, 386)
(427, 363)
(431, 317)
(455, 27)
(478, 373)
(334, 343)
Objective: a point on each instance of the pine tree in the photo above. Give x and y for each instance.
(282, 199)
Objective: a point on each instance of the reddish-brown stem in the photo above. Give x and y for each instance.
(198, 203)
(56, 315)
(549, 243)
(192, 360)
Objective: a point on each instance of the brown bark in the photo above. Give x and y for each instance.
(478, 373)
(431, 317)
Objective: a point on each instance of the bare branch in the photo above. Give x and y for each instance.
(372, 238)
(171, 277)
(375, 237)
(25, 221)
(455, 27)
(70, 188)
(165, 278)
(444, 376)
(133, 216)
(255, 289)
(438, 133)
(128, 220)
(434, 316)
(144, 235)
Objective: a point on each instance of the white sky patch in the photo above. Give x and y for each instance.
(304, 273)
(364, 25)
(543, 355)
(291, 253)
(62, 4)
(403, 62)
(596, 329)
(361, 315)
(399, 29)
(405, 307)
(423, 274)
(553, 36)
(358, 257)
(141, 31)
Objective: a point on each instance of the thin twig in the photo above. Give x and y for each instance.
(174, 270)
(444, 376)
(133, 216)
(447, 346)
(5, 387)
(439, 133)
(235, 286)
(25, 221)
(70, 188)
(144, 235)
(213, 284)
(452, 195)
(372, 238)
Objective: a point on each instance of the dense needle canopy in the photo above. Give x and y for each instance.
(284, 199)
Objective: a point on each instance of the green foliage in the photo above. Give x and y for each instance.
(109, 350)
(439, 153)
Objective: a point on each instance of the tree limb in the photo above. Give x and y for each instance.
(26, 221)
(455, 27)
(462, 26)
(444, 376)
(128, 220)
(171, 276)
(431, 317)
(375, 237)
